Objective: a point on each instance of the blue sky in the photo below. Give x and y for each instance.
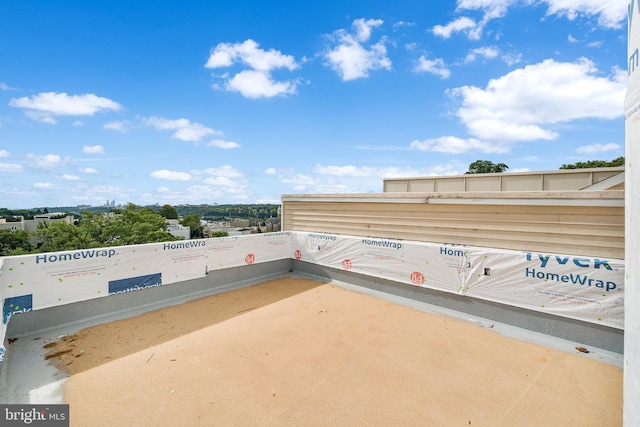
(240, 102)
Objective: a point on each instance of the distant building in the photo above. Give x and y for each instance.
(242, 223)
(14, 223)
(178, 230)
(32, 224)
(273, 224)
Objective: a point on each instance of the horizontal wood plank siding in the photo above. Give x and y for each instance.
(594, 231)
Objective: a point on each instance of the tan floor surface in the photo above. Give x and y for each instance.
(297, 352)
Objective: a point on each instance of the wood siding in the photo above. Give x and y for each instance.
(564, 223)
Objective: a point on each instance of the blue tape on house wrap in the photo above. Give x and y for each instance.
(14, 305)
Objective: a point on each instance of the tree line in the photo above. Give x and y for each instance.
(487, 166)
(129, 226)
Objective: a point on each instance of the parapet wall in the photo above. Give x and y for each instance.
(557, 180)
(586, 290)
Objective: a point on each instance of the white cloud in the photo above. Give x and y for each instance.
(259, 84)
(219, 182)
(77, 123)
(94, 149)
(511, 58)
(491, 8)
(489, 52)
(363, 28)
(249, 53)
(10, 167)
(572, 39)
(366, 171)
(462, 24)
(89, 170)
(43, 106)
(44, 185)
(185, 129)
(4, 153)
(221, 143)
(521, 105)
(4, 86)
(350, 59)
(598, 148)
(300, 179)
(351, 178)
(48, 161)
(403, 24)
(611, 14)
(225, 171)
(223, 181)
(270, 171)
(170, 175)
(68, 177)
(348, 170)
(194, 194)
(120, 126)
(256, 82)
(436, 66)
(455, 145)
(237, 187)
(40, 116)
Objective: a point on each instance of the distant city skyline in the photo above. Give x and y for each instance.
(239, 103)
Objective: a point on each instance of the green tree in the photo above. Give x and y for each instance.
(168, 211)
(135, 225)
(193, 222)
(486, 166)
(219, 234)
(62, 236)
(14, 242)
(595, 164)
(93, 224)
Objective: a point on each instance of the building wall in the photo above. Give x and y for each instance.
(560, 180)
(577, 223)
(632, 282)
(12, 225)
(32, 224)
